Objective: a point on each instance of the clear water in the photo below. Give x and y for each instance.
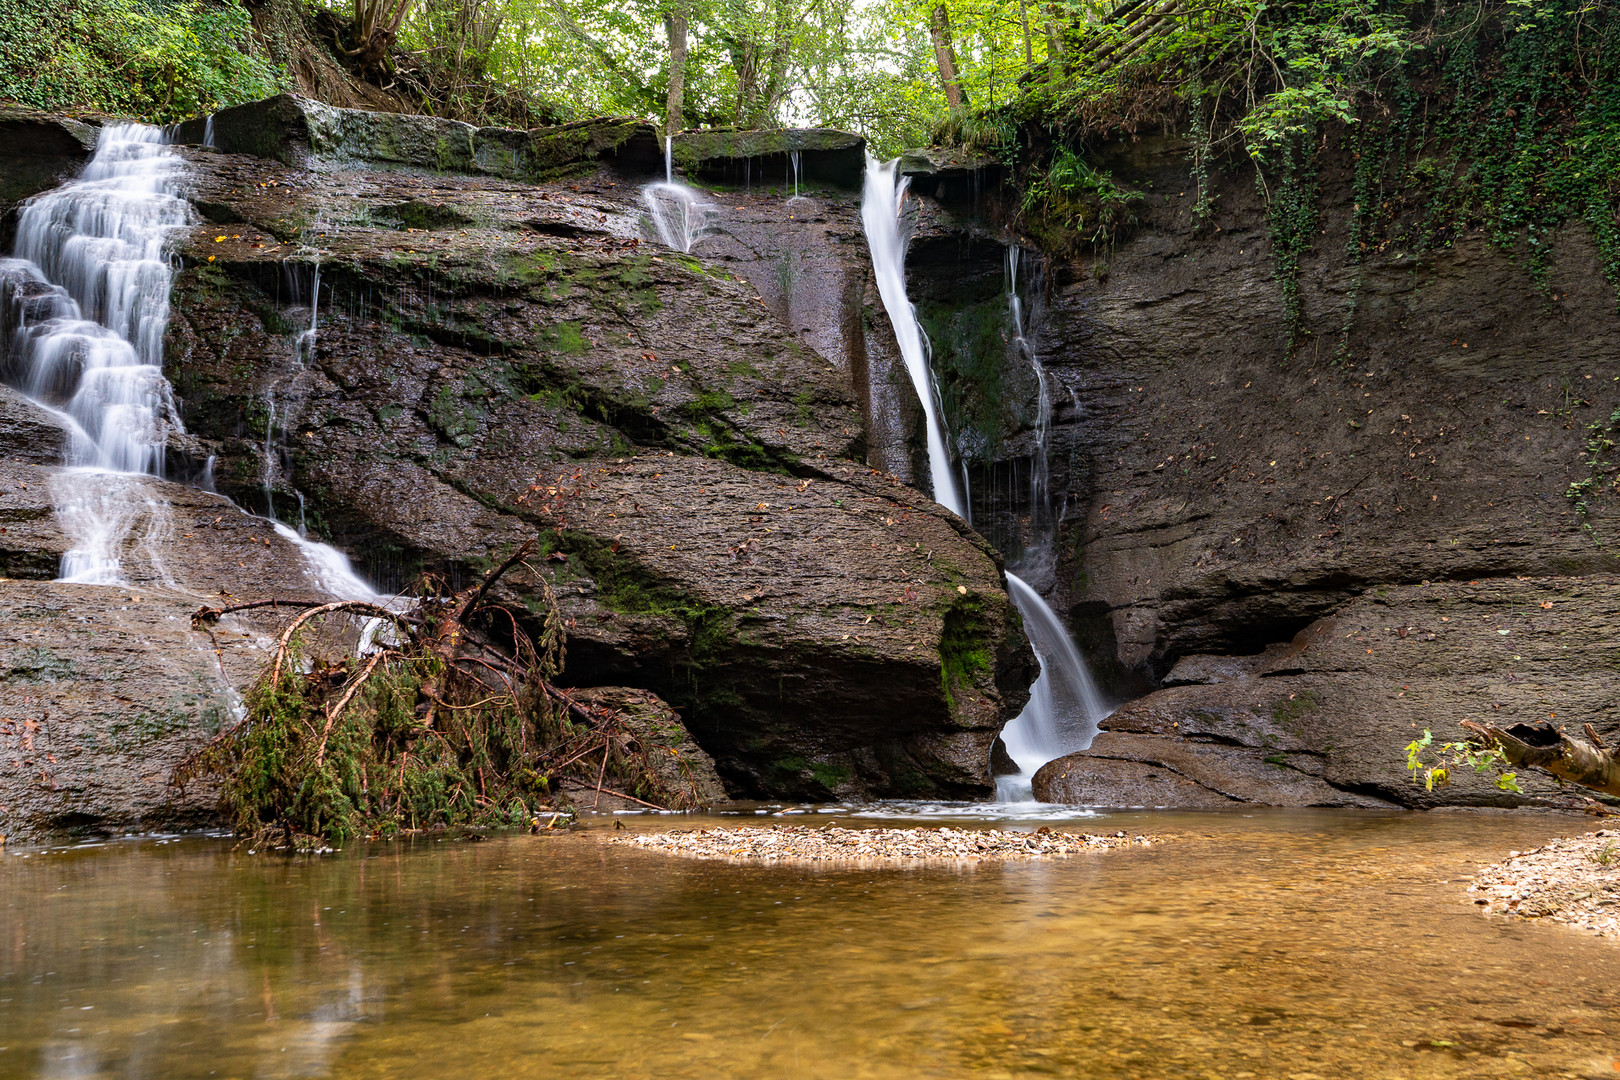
(1278, 945)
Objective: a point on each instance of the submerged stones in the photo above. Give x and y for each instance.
(1574, 880)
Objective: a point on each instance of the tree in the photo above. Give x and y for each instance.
(945, 57)
(676, 18)
(376, 28)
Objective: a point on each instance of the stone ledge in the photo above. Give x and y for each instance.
(304, 133)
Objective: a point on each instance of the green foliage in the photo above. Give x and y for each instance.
(962, 650)
(1074, 205)
(1451, 756)
(1502, 117)
(1293, 228)
(158, 60)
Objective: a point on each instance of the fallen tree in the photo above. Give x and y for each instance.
(1586, 762)
(444, 714)
(1487, 748)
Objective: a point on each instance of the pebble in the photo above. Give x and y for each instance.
(807, 844)
(1573, 880)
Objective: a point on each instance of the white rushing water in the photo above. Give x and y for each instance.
(83, 309)
(87, 303)
(679, 215)
(883, 205)
(1064, 706)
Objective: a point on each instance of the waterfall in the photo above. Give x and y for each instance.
(679, 216)
(882, 215)
(1064, 706)
(796, 163)
(87, 301)
(83, 309)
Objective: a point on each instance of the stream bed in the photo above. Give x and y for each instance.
(1290, 944)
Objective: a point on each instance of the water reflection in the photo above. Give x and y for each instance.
(1284, 944)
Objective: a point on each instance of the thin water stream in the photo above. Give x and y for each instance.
(1270, 945)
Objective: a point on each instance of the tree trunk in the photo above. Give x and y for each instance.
(945, 53)
(675, 21)
(1540, 746)
(1029, 46)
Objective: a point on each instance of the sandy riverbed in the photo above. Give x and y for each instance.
(804, 844)
(1573, 880)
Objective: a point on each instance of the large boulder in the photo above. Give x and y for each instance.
(106, 691)
(692, 467)
(1324, 720)
(41, 151)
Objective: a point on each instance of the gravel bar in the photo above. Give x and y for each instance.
(808, 844)
(1573, 880)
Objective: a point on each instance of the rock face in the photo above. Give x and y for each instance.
(523, 360)
(300, 132)
(40, 150)
(683, 774)
(1323, 719)
(493, 361)
(1224, 494)
(105, 691)
(746, 158)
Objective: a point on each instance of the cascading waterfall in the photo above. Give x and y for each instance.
(1064, 705)
(83, 309)
(680, 217)
(1064, 708)
(87, 303)
(883, 198)
(282, 412)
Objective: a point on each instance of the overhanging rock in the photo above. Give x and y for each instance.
(303, 133)
(732, 155)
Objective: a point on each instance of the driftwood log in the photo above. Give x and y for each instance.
(1541, 746)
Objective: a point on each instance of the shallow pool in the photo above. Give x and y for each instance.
(1264, 944)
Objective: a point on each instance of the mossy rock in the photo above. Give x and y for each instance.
(297, 131)
(826, 155)
(631, 146)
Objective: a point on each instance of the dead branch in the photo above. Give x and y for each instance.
(337, 710)
(621, 795)
(1541, 746)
